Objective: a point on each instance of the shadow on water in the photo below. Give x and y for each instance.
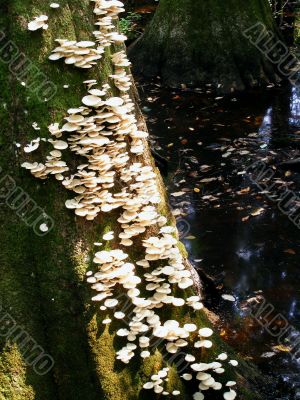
(237, 236)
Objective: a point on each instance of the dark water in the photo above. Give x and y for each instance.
(240, 241)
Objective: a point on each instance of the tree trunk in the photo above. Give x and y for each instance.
(44, 293)
(191, 43)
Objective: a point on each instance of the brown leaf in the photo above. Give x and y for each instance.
(257, 212)
(281, 347)
(290, 251)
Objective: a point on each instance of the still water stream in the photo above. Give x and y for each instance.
(239, 240)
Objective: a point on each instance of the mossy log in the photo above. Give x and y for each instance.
(195, 42)
(43, 285)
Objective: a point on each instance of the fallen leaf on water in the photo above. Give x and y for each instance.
(228, 297)
(178, 213)
(177, 194)
(190, 237)
(245, 190)
(290, 251)
(207, 180)
(268, 354)
(197, 190)
(244, 219)
(282, 348)
(257, 212)
(205, 167)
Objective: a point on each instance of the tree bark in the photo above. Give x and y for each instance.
(192, 43)
(43, 284)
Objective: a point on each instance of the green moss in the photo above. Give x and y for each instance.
(12, 373)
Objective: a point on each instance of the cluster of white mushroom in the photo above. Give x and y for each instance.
(207, 381)
(104, 131)
(53, 166)
(157, 383)
(121, 80)
(80, 54)
(106, 12)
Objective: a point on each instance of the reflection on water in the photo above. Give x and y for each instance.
(294, 119)
(265, 130)
(205, 138)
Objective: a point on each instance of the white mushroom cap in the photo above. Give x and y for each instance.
(219, 370)
(114, 101)
(190, 358)
(85, 43)
(222, 357)
(231, 395)
(200, 367)
(203, 343)
(202, 376)
(190, 327)
(92, 101)
(177, 302)
(234, 363)
(32, 146)
(198, 396)
(171, 348)
(162, 373)
(148, 385)
(145, 354)
(158, 389)
(119, 315)
(171, 324)
(43, 228)
(209, 382)
(187, 377)
(38, 23)
(217, 386)
(59, 144)
(108, 236)
(230, 383)
(202, 386)
(205, 332)
(122, 332)
(215, 365)
(97, 92)
(110, 303)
